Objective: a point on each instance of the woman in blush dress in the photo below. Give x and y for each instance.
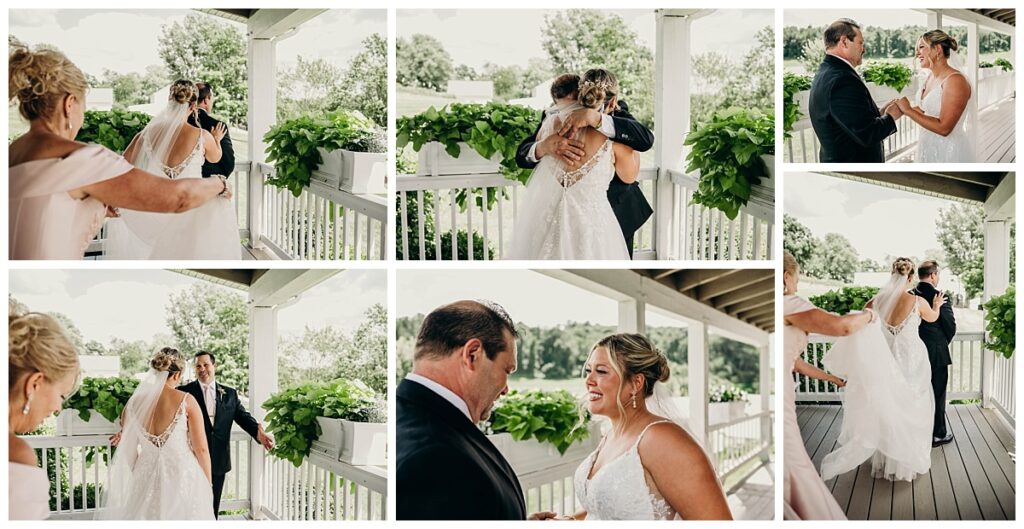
(806, 496)
(43, 372)
(61, 190)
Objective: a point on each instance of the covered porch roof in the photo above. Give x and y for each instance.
(748, 295)
(972, 187)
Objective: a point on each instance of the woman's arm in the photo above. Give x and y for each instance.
(955, 93)
(129, 153)
(143, 191)
(197, 436)
(212, 142)
(821, 322)
(695, 494)
(931, 313)
(807, 369)
(627, 162)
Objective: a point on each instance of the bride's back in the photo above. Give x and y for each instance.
(184, 144)
(165, 411)
(901, 309)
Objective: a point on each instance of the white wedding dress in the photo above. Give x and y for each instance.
(565, 215)
(207, 232)
(155, 476)
(958, 146)
(621, 489)
(888, 403)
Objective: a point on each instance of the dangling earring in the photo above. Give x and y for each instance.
(28, 406)
(633, 400)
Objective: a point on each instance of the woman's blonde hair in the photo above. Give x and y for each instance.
(37, 343)
(631, 355)
(789, 263)
(937, 37)
(183, 91)
(40, 80)
(903, 266)
(596, 87)
(168, 359)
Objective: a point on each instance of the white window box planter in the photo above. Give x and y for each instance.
(769, 163)
(719, 412)
(883, 94)
(355, 443)
(532, 455)
(358, 173)
(435, 161)
(69, 423)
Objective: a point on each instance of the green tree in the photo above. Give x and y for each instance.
(723, 82)
(209, 318)
(798, 240)
(307, 88)
(423, 62)
(836, 259)
(134, 88)
(579, 39)
(465, 72)
(364, 87)
(200, 48)
(960, 231)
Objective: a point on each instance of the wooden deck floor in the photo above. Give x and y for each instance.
(755, 498)
(971, 478)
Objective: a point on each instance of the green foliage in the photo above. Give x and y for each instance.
(364, 87)
(895, 75)
(960, 231)
(291, 413)
(134, 88)
(547, 416)
(835, 259)
(986, 64)
(423, 62)
(1004, 63)
(1000, 322)
(430, 249)
(798, 240)
(307, 88)
(889, 42)
(791, 84)
(113, 129)
(210, 318)
(727, 394)
(727, 152)
(844, 300)
(107, 396)
(489, 129)
(719, 80)
(292, 144)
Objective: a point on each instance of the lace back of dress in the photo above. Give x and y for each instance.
(160, 440)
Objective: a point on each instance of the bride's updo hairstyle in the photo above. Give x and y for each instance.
(597, 86)
(937, 37)
(168, 359)
(903, 267)
(41, 79)
(36, 343)
(633, 354)
(184, 92)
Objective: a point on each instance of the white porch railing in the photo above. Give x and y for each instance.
(552, 489)
(735, 443)
(995, 87)
(322, 489)
(965, 375)
(700, 233)
(1003, 394)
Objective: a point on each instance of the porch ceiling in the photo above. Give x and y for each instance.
(973, 187)
(748, 295)
(239, 278)
(1006, 16)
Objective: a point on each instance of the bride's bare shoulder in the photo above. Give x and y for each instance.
(662, 436)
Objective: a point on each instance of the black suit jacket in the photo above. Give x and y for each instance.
(446, 468)
(628, 202)
(938, 334)
(845, 118)
(218, 435)
(226, 165)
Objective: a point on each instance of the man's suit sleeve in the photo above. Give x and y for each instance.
(947, 320)
(847, 106)
(525, 146)
(244, 419)
(632, 133)
(227, 154)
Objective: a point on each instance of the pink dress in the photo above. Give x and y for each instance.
(28, 494)
(44, 221)
(806, 496)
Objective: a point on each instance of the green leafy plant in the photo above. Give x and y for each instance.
(487, 128)
(727, 151)
(292, 144)
(107, 396)
(1005, 64)
(430, 250)
(113, 129)
(727, 394)
(844, 300)
(291, 414)
(895, 75)
(547, 416)
(1000, 322)
(986, 64)
(791, 84)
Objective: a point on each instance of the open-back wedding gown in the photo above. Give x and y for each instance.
(959, 145)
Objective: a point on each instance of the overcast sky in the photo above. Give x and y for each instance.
(132, 304)
(512, 37)
(877, 221)
(126, 40)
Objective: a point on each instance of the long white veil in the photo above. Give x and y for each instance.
(138, 413)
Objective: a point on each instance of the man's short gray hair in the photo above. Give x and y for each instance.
(844, 27)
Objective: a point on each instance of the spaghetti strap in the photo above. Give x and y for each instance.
(648, 427)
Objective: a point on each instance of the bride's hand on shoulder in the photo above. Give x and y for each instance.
(219, 131)
(938, 300)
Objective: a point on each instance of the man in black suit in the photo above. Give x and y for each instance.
(446, 468)
(221, 409)
(628, 202)
(226, 165)
(937, 336)
(849, 126)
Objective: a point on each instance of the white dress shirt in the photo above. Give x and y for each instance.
(444, 392)
(607, 128)
(210, 396)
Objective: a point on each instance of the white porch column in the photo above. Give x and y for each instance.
(973, 47)
(632, 316)
(262, 112)
(671, 119)
(262, 384)
(999, 215)
(697, 378)
(934, 19)
(764, 384)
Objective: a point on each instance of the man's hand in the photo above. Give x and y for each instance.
(115, 439)
(264, 439)
(579, 119)
(567, 150)
(542, 516)
(893, 110)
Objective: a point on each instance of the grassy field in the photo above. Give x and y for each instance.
(412, 101)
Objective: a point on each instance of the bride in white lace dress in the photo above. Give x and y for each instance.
(943, 111)
(888, 404)
(170, 146)
(647, 466)
(161, 468)
(565, 213)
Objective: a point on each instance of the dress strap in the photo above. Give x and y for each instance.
(648, 427)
